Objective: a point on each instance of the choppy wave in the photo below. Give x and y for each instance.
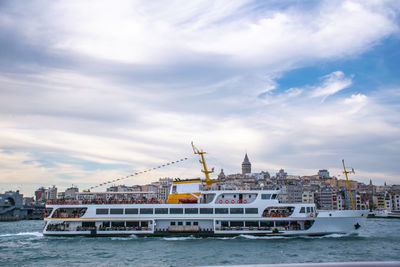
(37, 234)
(131, 237)
(180, 238)
(263, 237)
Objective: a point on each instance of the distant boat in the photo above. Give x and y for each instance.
(383, 213)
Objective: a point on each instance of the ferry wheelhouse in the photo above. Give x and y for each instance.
(193, 211)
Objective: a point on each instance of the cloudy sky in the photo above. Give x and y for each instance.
(93, 90)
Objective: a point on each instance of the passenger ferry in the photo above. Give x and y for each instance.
(193, 211)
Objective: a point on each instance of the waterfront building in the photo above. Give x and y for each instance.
(347, 199)
(325, 198)
(337, 201)
(11, 206)
(70, 193)
(60, 195)
(164, 186)
(51, 193)
(291, 193)
(323, 174)
(308, 197)
(246, 165)
(40, 194)
(281, 175)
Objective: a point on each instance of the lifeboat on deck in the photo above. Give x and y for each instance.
(188, 200)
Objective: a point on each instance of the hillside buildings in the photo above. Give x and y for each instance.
(328, 192)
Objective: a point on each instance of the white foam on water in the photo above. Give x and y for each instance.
(37, 234)
(263, 237)
(180, 238)
(131, 237)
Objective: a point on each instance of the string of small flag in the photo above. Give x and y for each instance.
(136, 173)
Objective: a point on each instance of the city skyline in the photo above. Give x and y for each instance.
(95, 91)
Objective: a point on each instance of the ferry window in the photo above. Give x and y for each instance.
(223, 196)
(224, 223)
(236, 210)
(180, 223)
(117, 224)
(106, 224)
(187, 223)
(234, 196)
(273, 196)
(236, 223)
(176, 211)
(132, 223)
(116, 211)
(251, 223)
(282, 223)
(308, 209)
(265, 196)
(131, 211)
(146, 211)
(221, 210)
(101, 211)
(172, 223)
(206, 211)
(195, 223)
(191, 211)
(144, 223)
(267, 224)
(251, 211)
(174, 189)
(303, 210)
(161, 211)
(312, 209)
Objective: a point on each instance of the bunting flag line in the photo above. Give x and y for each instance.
(135, 174)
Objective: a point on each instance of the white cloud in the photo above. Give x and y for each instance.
(187, 71)
(332, 83)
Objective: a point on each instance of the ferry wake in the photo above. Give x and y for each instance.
(193, 209)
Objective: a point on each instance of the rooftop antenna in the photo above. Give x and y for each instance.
(206, 172)
(348, 183)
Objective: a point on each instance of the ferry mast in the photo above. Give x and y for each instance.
(206, 172)
(348, 183)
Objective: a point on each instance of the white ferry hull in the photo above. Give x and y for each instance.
(326, 222)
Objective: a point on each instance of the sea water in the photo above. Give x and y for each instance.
(22, 244)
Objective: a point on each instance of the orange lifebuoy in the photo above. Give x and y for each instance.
(220, 201)
(136, 202)
(118, 201)
(148, 201)
(233, 201)
(124, 202)
(272, 214)
(279, 214)
(226, 201)
(239, 201)
(112, 201)
(130, 202)
(142, 201)
(244, 201)
(160, 201)
(154, 201)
